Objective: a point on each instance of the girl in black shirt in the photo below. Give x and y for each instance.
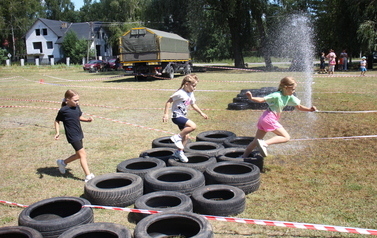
(70, 114)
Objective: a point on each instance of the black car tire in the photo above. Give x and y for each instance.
(217, 136)
(162, 201)
(242, 175)
(163, 153)
(180, 179)
(235, 153)
(218, 200)
(52, 216)
(204, 147)
(99, 229)
(174, 224)
(238, 141)
(140, 166)
(19, 232)
(196, 161)
(164, 142)
(114, 189)
(238, 106)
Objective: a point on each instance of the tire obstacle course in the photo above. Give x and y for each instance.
(179, 192)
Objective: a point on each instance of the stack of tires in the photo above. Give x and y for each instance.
(241, 102)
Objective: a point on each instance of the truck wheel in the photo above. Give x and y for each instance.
(170, 72)
(187, 70)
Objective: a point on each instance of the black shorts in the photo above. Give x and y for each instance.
(180, 122)
(77, 145)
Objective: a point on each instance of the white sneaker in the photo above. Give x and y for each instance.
(182, 157)
(262, 147)
(61, 166)
(177, 141)
(89, 177)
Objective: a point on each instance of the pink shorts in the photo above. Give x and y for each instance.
(269, 121)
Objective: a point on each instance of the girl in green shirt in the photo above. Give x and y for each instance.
(269, 121)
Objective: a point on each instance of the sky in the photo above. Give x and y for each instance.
(78, 4)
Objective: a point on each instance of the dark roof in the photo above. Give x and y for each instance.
(83, 30)
(55, 26)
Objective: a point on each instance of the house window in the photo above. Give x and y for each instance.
(44, 31)
(38, 32)
(38, 46)
(49, 45)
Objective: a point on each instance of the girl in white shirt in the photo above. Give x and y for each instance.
(181, 100)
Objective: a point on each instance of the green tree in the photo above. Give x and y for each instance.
(74, 48)
(63, 10)
(16, 18)
(3, 55)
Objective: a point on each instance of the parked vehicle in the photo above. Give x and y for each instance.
(111, 63)
(148, 52)
(95, 66)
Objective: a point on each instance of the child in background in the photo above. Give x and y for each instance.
(269, 121)
(331, 56)
(181, 100)
(363, 66)
(70, 114)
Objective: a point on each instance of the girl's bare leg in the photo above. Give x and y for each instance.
(189, 127)
(259, 135)
(80, 154)
(282, 136)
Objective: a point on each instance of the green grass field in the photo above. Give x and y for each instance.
(315, 178)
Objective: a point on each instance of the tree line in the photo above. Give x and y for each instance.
(216, 29)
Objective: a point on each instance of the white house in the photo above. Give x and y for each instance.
(44, 39)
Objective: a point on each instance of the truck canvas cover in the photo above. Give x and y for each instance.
(145, 44)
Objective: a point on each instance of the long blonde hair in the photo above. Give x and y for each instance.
(190, 78)
(68, 95)
(286, 82)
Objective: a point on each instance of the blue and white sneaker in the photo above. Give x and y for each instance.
(179, 154)
(177, 141)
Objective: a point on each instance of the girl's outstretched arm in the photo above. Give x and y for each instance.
(196, 108)
(306, 109)
(249, 95)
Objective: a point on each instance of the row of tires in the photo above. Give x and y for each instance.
(69, 217)
(123, 189)
(211, 183)
(241, 102)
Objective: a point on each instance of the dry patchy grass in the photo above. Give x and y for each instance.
(310, 181)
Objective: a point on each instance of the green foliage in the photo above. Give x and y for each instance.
(74, 48)
(60, 10)
(3, 55)
(367, 34)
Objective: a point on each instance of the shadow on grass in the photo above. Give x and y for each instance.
(54, 172)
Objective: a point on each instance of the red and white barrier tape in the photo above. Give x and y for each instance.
(319, 227)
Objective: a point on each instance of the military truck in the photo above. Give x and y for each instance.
(148, 52)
